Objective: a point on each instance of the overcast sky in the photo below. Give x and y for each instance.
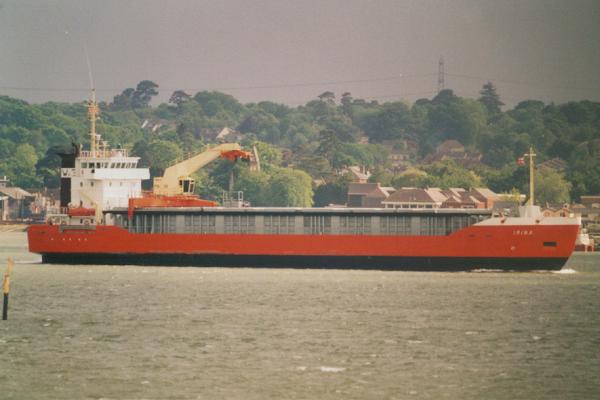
(291, 51)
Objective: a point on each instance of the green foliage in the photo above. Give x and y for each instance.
(179, 97)
(319, 138)
(290, 188)
(584, 171)
(334, 192)
(48, 167)
(269, 155)
(505, 179)
(412, 177)
(328, 143)
(20, 167)
(551, 187)
(447, 174)
(264, 124)
(389, 122)
(255, 187)
(461, 119)
(206, 187)
(139, 97)
(16, 112)
(157, 155)
(214, 103)
(490, 98)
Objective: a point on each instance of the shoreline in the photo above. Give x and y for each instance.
(13, 227)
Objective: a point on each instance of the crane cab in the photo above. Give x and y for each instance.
(187, 185)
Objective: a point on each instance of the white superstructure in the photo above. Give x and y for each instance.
(103, 178)
(106, 179)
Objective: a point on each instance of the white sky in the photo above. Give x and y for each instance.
(291, 51)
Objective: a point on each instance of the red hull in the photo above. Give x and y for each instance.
(540, 242)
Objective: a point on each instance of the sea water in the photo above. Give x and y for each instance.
(131, 332)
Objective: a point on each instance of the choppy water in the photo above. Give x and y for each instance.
(104, 332)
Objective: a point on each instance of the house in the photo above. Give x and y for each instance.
(225, 134)
(398, 160)
(14, 202)
(461, 198)
(363, 194)
(359, 174)
(155, 126)
(556, 163)
(409, 197)
(3, 208)
(589, 209)
(486, 196)
(455, 151)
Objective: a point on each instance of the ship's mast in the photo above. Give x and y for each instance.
(531, 154)
(93, 112)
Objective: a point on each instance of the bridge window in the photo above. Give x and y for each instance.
(394, 225)
(239, 224)
(433, 226)
(355, 225)
(199, 223)
(285, 224)
(317, 224)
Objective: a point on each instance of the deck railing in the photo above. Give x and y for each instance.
(105, 153)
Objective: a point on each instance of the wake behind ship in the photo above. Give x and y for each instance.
(106, 219)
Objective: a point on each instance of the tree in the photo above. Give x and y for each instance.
(463, 120)
(490, 98)
(316, 166)
(346, 102)
(123, 101)
(268, 154)
(412, 177)
(447, 174)
(144, 92)
(290, 188)
(262, 123)
(19, 113)
(584, 169)
(334, 192)
(328, 143)
(22, 167)
(179, 97)
(388, 122)
(254, 186)
(445, 96)
(215, 102)
(135, 98)
(206, 187)
(551, 187)
(157, 155)
(328, 98)
(48, 167)
(186, 138)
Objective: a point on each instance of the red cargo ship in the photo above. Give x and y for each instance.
(114, 223)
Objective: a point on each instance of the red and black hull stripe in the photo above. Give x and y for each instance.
(312, 262)
(527, 247)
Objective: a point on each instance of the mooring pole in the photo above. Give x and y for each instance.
(6, 288)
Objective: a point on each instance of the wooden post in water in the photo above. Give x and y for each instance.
(6, 288)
